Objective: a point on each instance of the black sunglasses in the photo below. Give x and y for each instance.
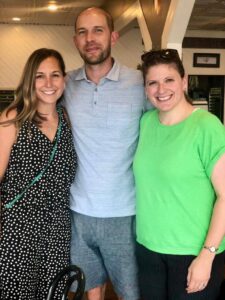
(166, 54)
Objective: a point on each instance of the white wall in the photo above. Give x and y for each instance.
(19, 41)
(129, 48)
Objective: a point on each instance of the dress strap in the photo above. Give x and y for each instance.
(51, 158)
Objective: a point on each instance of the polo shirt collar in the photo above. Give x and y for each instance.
(112, 75)
(114, 72)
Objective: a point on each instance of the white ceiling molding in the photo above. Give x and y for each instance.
(176, 23)
(135, 12)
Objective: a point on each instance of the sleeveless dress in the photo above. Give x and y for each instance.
(35, 239)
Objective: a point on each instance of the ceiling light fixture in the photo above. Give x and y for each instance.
(52, 7)
(16, 19)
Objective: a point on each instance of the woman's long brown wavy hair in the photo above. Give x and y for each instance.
(25, 102)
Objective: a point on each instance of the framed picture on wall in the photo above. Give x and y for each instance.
(206, 60)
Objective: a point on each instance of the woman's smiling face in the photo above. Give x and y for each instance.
(165, 87)
(49, 81)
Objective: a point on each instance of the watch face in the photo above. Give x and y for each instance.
(212, 249)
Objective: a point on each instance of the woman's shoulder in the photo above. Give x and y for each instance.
(8, 132)
(8, 115)
(207, 119)
(208, 126)
(150, 113)
(8, 128)
(65, 116)
(148, 118)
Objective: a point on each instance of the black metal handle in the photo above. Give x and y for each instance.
(78, 277)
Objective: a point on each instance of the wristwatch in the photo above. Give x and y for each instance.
(211, 249)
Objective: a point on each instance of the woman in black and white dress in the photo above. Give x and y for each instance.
(37, 166)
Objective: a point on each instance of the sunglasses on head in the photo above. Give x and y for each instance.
(166, 54)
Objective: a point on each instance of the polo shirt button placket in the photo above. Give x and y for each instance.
(95, 96)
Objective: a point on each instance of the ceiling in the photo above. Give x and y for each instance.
(206, 15)
(36, 12)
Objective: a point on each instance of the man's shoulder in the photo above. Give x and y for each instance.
(128, 70)
(74, 74)
(127, 73)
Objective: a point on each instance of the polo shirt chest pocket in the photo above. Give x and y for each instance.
(123, 115)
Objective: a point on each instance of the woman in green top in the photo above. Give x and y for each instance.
(179, 170)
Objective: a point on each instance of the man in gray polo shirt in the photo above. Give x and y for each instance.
(105, 101)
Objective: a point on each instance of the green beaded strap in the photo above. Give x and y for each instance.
(38, 177)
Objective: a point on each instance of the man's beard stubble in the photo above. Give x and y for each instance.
(97, 60)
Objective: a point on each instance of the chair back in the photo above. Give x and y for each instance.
(73, 274)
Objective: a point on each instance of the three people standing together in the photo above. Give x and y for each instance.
(179, 169)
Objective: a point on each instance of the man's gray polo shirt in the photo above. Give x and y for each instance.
(105, 124)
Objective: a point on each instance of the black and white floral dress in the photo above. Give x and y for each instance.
(35, 239)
